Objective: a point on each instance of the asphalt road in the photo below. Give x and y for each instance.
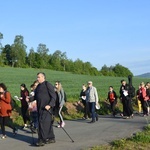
(84, 134)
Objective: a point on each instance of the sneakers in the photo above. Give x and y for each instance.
(40, 143)
(25, 126)
(121, 115)
(3, 136)
(83, 118)
(49, 141)
(61, 125)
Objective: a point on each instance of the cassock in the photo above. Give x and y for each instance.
(45, 95)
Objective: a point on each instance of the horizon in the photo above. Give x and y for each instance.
(100, 32)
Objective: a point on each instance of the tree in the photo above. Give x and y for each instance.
(55, 60)
(1, 37)
(31, 58)
(78, 66)
(7, 54)
(63, 60)
(105, 70)
(19, 52)
(121, 71)
(94, 71)
(69, 65)
(42, 50)
(86, 67)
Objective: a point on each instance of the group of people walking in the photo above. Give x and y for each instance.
(45, 100)
(89, 98)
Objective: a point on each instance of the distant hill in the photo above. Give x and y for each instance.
(145, 75)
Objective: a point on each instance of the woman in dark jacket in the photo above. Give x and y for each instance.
(24, 105)
(84, 101)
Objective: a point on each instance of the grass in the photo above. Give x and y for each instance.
(140, 141)
(72, 83)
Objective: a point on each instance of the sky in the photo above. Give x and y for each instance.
(102, 32)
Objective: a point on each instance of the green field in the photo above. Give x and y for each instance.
(72, 83)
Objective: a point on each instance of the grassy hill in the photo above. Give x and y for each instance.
(72, 83)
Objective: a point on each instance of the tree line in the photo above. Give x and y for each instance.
(16, 55)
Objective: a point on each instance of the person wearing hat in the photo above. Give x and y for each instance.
(92, 98)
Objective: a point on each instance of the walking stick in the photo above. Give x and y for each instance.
(53, 118)
(67, 134)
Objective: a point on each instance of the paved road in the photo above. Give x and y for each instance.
(85, 135)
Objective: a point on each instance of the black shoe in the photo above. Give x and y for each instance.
(91, 121)
(96, 118)
(49, 141)
(15, 131)
(40, 143)
(33, 130)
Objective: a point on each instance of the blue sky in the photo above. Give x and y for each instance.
(99, 31)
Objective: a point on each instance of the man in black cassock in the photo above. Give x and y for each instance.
(46, 97)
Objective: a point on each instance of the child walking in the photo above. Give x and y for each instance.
(112, 97)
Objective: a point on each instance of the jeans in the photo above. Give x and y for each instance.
(93, 111)
(34, 117)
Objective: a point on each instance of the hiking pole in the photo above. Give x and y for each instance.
(53, 118)
(67, 134)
